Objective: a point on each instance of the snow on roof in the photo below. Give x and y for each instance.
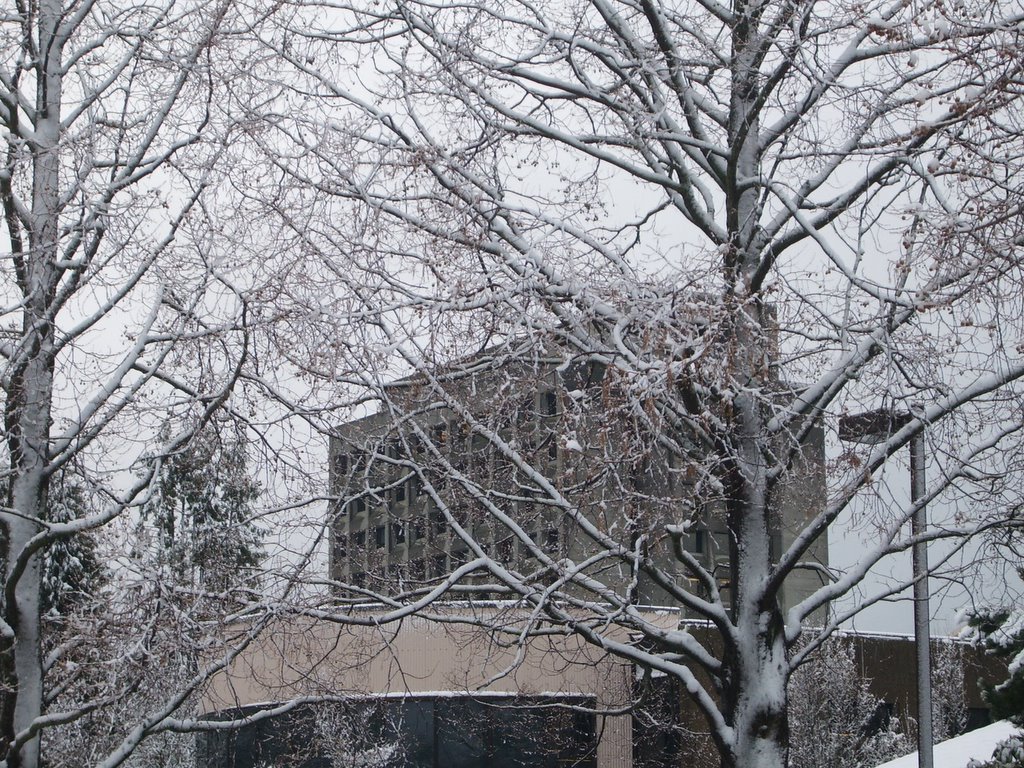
(954, 753)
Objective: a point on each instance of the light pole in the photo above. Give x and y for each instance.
(874, 427)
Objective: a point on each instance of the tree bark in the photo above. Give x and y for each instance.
(28, 407)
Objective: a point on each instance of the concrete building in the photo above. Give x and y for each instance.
(404, 479)
(424, 694)
(497, 458)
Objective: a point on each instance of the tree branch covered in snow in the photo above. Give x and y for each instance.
(634, 260)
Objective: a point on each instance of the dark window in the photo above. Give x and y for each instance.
(397, 532)
(438, 566)
(417, 570)
(341, 464)
(548, 403)
(447, 732)
(438, 521)
(360, 538)
(379, 536)
(695, 541)
(551, 540)
(505, 551)
(340, 548)
(400, 491)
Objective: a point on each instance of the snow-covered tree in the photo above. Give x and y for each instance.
(835, 719)
(949, 690)
(120, 309)
(1002, 633)
(112, 662)
(202, 511)
(707, 231)
(357, 734)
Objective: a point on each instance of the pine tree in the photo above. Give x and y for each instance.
(1002, 632)
(202, 511)
(73, 569)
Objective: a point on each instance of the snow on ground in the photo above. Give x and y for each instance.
(955, 753)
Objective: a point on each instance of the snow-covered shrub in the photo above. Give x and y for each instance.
(1007, 754)
(1002, 633)
(835, 720)
(949, 694)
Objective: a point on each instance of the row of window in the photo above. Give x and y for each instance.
(444, 732)
(436, 565)
(471, 445)
(410, 532)
(548, 540)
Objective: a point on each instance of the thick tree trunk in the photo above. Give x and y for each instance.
(27, 419)
(28, 409)
(757, 699)
(754, 698)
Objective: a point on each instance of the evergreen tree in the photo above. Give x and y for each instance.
(202, 510)
(73, 569)
(1002, 632)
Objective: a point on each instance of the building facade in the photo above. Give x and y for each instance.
(535, 462)
(434, 694)
(542, 469)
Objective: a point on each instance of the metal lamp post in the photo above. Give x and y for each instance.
(874, 427)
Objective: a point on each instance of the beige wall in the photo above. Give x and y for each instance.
(420, 657)
(308, 658)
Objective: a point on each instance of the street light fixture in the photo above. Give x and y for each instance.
(875, 427)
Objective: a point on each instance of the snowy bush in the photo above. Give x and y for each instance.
(835, 720)
(1007, 754)
(1002, 633)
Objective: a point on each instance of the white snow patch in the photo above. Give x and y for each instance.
(878, 22)
(954, 753)
(572, 444)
